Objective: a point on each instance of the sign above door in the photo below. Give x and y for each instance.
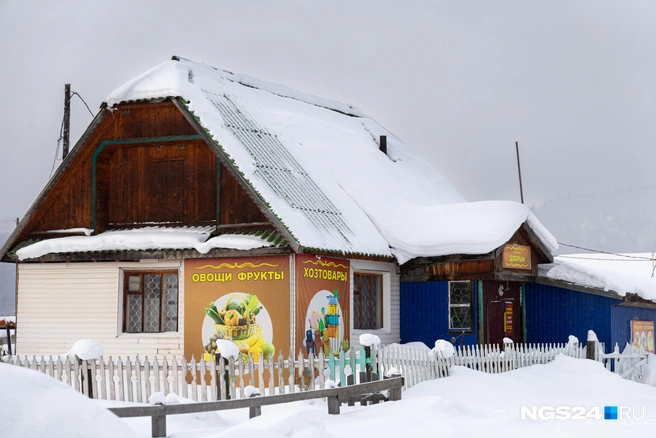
(517, 257)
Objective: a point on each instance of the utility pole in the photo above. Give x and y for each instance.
(519, 170)
(67, 120)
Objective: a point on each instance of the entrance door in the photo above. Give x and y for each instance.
(502, 311)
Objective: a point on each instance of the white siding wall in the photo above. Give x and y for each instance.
(391, 331)
(59, 303)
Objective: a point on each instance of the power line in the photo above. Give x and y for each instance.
(602, 252)
(61, 131)
(608, 260)
(61, 136)
(75, 93)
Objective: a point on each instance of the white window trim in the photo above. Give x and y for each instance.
(368, 267)
(150, 266)
(471, 303)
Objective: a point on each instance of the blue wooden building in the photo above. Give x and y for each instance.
(544, 310)
(473, 298)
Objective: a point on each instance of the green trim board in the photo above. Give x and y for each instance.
(218, 190)
(125, 141)
(523, 296)
(481, 333)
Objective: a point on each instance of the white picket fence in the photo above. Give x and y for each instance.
(135, 379)
(421, 365)
(629, 364)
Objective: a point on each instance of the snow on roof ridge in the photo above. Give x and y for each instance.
(176, 86)
(391, 206)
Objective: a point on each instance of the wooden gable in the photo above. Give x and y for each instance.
(488, 266)
(142, 164)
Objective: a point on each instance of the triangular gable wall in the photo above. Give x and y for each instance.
(89, 191)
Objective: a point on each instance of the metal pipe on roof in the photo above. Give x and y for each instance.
(383, 144)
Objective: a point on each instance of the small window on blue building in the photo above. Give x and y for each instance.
(460, 306)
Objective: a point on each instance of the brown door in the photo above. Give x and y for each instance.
(502, 311)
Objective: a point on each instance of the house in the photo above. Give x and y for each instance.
(200, 204)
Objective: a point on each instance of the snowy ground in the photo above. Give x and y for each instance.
(466, 404)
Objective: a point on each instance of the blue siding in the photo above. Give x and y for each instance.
(621, 317)
(425, 313)
(553, 313)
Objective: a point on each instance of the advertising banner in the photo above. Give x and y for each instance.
(642, 335)
(322, 304)
(242, 299)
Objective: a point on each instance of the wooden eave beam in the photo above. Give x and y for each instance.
(339, 255)
(453, 258)
(572, 286)
(162, 254)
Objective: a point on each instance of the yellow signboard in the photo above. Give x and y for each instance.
(517, 257)
(245, 300)
(642, 335)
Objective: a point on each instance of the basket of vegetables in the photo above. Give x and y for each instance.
(237, 319)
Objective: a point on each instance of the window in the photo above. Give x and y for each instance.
(150, 302)
(460, 308)
(367, 301)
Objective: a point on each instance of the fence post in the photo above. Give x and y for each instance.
(159, 426)
(222, 378)
(254, 411)
(333, 405)
(85, 377)
(591, 346)
(367, 363)
(395, 394)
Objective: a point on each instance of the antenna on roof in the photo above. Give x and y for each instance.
(519, 170)
(67, 120)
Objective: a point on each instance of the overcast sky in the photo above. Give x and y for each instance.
(458, 81)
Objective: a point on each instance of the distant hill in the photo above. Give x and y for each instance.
(618, 221)
(7, 283)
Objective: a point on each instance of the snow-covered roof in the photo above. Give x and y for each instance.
(146, 238)
(316, 164)
(622, 274)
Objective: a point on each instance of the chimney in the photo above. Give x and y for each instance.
(383, 144)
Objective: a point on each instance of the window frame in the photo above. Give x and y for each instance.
(381, 306)
(125, 293)
(472, 327)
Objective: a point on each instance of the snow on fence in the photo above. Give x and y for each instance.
(135, 379)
